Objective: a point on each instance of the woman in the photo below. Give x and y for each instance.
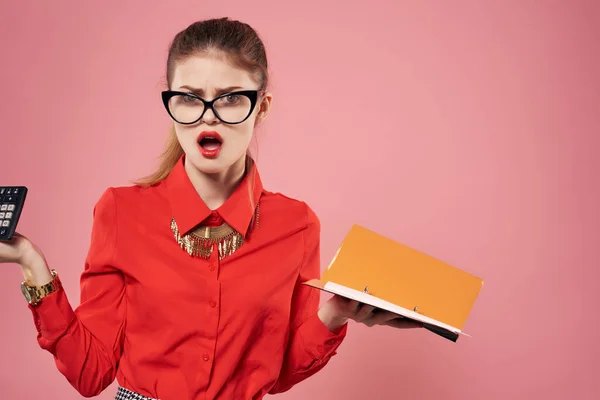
(192, 286)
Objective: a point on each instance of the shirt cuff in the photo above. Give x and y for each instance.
(318, 340)
(52, 315)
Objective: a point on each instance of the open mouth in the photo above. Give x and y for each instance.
(210, 142)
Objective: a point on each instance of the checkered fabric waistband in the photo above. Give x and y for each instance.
(126, 394)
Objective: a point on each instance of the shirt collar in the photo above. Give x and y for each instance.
(189, 209)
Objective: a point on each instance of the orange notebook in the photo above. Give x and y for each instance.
(378, 271)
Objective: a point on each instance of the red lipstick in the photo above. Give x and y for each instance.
(210, 143)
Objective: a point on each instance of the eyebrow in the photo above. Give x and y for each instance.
(219, 91)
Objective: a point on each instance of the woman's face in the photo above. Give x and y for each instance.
(211, 145)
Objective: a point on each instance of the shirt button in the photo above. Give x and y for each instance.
(213, 304)
(321, 349)
(205, 357)
(211, 267)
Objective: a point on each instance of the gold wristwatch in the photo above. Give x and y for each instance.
(34, 294)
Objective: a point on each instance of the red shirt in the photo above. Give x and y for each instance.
(171, 326)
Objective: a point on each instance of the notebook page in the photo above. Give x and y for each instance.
(379, 303)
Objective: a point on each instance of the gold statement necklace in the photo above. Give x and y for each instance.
(200, 241)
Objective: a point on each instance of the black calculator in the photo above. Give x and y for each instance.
(12, 199)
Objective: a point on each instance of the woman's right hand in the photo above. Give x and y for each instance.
(22, 251)
(12, 251)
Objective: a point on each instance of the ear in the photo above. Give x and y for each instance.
(264, 107)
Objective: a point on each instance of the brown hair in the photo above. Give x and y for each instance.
(237, 42)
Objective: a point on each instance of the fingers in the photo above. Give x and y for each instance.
(404, 323)
(379, 317)
(371, 316)
(363, 313)
(346, 306)
(353, 306)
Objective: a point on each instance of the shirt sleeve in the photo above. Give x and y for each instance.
(311, 343)
(87, 342)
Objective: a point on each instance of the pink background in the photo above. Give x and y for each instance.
(466, 129)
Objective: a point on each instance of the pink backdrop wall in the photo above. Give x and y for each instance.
(466, 129)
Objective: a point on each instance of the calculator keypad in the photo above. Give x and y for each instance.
(11, 203)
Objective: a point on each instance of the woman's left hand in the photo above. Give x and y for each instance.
(338, 310)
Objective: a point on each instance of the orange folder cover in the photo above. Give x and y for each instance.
(378, 271)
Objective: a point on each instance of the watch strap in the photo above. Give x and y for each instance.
(34, 294)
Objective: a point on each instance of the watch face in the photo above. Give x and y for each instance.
(26, 293)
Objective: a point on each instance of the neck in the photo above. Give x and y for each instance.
(215, 189)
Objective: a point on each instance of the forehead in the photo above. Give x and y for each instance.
(209, 73)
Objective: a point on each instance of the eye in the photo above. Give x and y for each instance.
(188, 99)
(229, 99)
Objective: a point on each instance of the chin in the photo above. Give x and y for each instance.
(211, 166)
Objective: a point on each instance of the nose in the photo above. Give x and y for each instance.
(209, 117)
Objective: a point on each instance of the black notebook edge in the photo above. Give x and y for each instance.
(445, 333)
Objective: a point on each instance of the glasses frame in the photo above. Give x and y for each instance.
(208, 104)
